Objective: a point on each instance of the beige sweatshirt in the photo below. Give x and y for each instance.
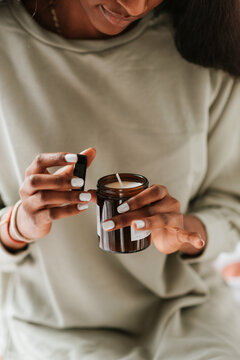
(146, 110)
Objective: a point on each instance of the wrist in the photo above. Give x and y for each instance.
(5, 237)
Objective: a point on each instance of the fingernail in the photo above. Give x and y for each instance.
(72, 158)
(108, 225)
(139, 224)
(77, 182)
(85, 196)
(82, 207)
(203, 242)
(123, 208)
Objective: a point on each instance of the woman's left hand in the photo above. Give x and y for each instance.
(156, 210)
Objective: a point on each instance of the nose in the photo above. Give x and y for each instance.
(134, 7)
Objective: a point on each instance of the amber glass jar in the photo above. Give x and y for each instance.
(125, 240)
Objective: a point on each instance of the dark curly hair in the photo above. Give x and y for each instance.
(207, 32)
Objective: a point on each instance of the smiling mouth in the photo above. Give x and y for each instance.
(116, 18)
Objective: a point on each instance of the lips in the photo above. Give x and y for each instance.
(115, 18)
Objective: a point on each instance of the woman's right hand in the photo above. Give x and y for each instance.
(43, 194)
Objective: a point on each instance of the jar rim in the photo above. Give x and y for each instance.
(107, 179)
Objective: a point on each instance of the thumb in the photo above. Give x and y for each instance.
(90, 153)
(68, 169)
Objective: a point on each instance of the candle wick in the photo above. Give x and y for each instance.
(119, 179)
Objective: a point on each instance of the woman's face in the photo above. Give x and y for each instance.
(111, 17)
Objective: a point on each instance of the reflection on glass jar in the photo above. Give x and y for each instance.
(110, 194)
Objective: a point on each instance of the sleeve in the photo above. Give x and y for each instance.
(8, 260)
(217, 204)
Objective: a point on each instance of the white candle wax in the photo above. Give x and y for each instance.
(126, 185)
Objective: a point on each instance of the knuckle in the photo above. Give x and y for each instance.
(42, 197)
(26, 207)
(52, 214)
(176, 204)
(21, 190)
(27, 171)
(158, 190)
(71, 196)
(178, 220)
(70, 210)
(135, 203)
(38, 160)
(148, 223)
(164, 218)
(121, 221)
(33, 180)
(164, 189)
(60, 181)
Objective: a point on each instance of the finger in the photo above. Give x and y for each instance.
(164, 210)
(90, 153)
(65, 170)
(159, 220)
(94, 196)
(146, 197)
(173, 223)
(56, 213)
(36, 182)
(46, 160)
(68, 169)
(48, 198)
(166, 205)
(151, 222)
(193, 238)
(169, 240)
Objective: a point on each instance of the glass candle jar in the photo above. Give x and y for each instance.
(110, 194)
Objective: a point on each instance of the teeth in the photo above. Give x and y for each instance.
(108, 225)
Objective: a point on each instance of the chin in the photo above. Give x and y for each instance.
(104, 26)
(110, 30)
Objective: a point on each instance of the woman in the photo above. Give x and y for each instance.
(110, 74)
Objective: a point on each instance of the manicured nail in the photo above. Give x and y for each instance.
(77, 182)
(203, 242)
(82, 207)
(72, 158)
(108, 225)
(139, 224)
(85, 196)
(123, 208)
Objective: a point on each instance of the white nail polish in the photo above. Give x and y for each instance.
(82, 207)
(77, 182)
(139, 224)
(123, 208)
(72, 158)
(108, 225)
(85, 196)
